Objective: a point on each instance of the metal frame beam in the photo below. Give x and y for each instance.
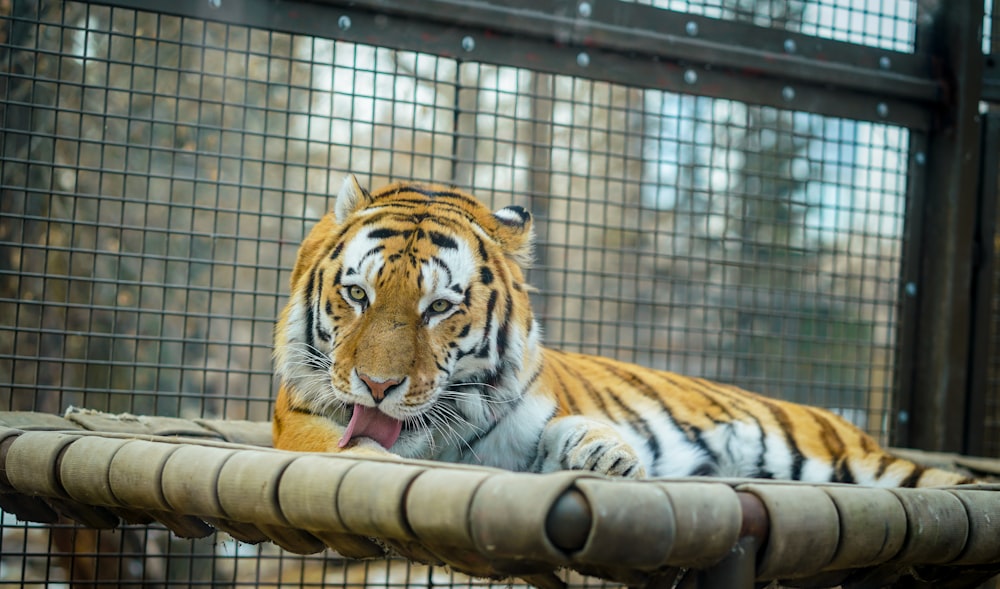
(618, 42)
(671, 35)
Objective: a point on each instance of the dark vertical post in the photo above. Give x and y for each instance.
(983, 285)
(936, 402)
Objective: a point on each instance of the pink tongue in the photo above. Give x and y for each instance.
(372, 423)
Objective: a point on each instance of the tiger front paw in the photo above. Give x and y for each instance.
(610, 457)
(575, 443)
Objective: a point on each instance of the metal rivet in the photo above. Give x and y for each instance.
(468, 43)
(344, 22)
(882, 109)
(584, 9)
(904, 417)
(884, 62)
(910, 289)
(790, 46)
(920, 157)
(691, 28)
(582, 59)
(690, 76)
(788, 93)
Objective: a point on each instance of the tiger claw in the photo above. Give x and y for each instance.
(578, 443)
(609, 457)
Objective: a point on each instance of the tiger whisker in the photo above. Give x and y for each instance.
(462, 393)
(448, 427)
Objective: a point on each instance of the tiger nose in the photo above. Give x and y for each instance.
(378, 388)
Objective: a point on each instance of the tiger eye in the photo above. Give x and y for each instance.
(357, 293)
(440, 306)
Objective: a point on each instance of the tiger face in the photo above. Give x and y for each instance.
(409, 317)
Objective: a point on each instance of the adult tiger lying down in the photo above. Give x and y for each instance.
(409, 328)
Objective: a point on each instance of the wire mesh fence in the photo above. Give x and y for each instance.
(159, 171)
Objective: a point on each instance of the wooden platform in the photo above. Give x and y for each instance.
(192, 476)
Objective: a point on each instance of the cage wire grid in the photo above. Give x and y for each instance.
(158, 173)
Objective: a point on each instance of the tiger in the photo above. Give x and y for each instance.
(409, 332)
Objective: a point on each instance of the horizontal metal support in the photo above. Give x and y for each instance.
(670, 35)
(617, 42)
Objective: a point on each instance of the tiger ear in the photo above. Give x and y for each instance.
(350, 198)
(515, 233)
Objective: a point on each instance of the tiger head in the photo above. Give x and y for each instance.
(409, 315)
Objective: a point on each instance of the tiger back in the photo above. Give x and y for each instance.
(409, 330)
